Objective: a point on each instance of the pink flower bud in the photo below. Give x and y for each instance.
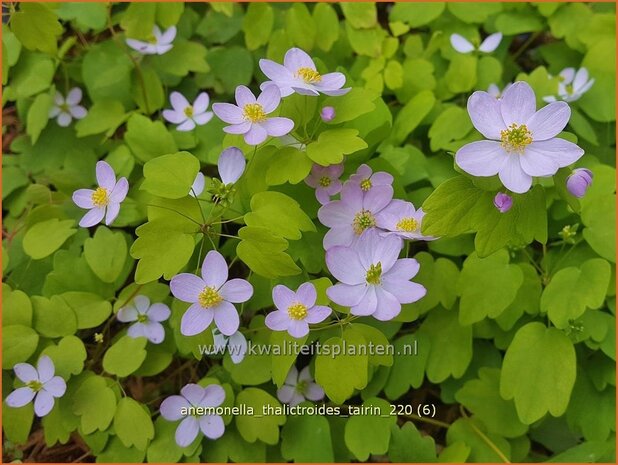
(327, 114)
(579, 181)
(503, 202)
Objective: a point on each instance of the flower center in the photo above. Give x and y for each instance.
(65, 108)
(209, 297)
(407, 225)
(324, 181)
(516, 138)
(365, 184)
(151, 39)
(297, 311)
(374, 274)
(142, 318)
(100, 197)
(254, 112)
(189, 111)
(35, 385)
(310, 76)
(301, 387)
(363, 220)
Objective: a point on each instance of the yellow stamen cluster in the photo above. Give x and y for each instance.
(297, 311)
(324, 181)
(35, 385)
(365, 184)
(374, 273)
(189, 111)
(310, 76)
(99, 197)
(363, 220)
(407, 225)
(516, 138)
(209, 297)
(142, 318)
(254, 112)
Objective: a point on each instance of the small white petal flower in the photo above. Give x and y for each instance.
(147, 319)
(572, 85)
(185, 115)
(157, 44)
(463, 45)
(198, 185)
(65, 109)
(299, 387)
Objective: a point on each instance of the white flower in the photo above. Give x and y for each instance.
(572, 85)
(157, 44)
(198, 185)
(299, 387)
(463, 45)
(64, 110)
(146, 318)
(236, 345)
(185, 115)
(495, 91)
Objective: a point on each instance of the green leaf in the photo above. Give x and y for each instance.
(599, 217)
(183, 58)
(90, 309)
(360, 15)
(170, 176)
(125, 356)
(333, 144)
(148, 139)
(416, 14)
(350, 106)
(68, 356)
(574, 289)
(288, 165)
(408, 368)
(370, 434)
(106, 254)
(461, 73)
(600, 101)
(411, 115)
(257, 24)
(169, 14)
(466, 431)
(37, 27)
(104, 116)
(163, 447)
(44, 238)
(132, 424)
(18, 344)
(263, 252)
(138, 20)
(300, 26)
(95, 403)
(233, 447)
(38, 116)
(32, 74)
(232, 66)
(470, 12)
(53, 317)
(515, 22)
(450, 345)
(453, 124)
(409, 446)
(482, 397)
(327, 26)
(590, 452)
(262, 426)
(538, 372)
(106, 71)
(378, 340)
(86, 15)
(316, 445)
(17, 422)
(457, 206)
(281, 364)
(344, 368)
(16, 307)
(279, 213)
(487, 286)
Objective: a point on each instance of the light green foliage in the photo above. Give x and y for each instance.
(513, 343)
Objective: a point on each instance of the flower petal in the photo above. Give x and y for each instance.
(212, 426)
(127, 314)
(237, 347)
(74, 96)
(461, 44)
(188, 125)
(231, 165)
(78, 112)
(481, 158)
(368, 304)
(214, 269)
(174, 116)
(345, 265)
(275, 71)
(168, 36)
(111, 213)
(344, 236)
(154, 332)
(83, 198)
(330, 82)
(564, 152)
(256, 135)
(549, 121)
(277, 320)
(518, 103)
(194, 393)
(20, 397)
(283, 297)
(269, 99)
(64, 119)
(26, 372)
(187, 287)
(318, 314)
(244, 96)
(142, 303)
(491, 42)
(296, 58)
(214, 395)
(306, 294)
(195, 320)
(137, 330)
(56, 386)
(202, 118)
(484, 111)
(226, 318)
(406, 292)
(241, 128)
(513, 176)
(228, 112)
(201, 103)
(347, 295)
(94, 216)
(187, 431)
(159, 312)
(120, 191)
(179, 102)
(314, 392)
(377, 198)
(388, 306)
(298, 328)
(236, 290)
(277, 126)
(171, 408)
(286, 393)
(43, 403)
(106, 177)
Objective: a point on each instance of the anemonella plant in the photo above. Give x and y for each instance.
(522, 141)
(187, 116)
(158, 43)
(66, 108)
(146, 319)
